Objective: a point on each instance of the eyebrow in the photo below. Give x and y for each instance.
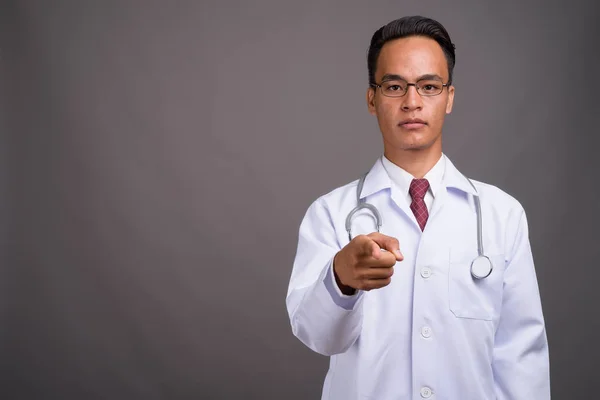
(394, 77)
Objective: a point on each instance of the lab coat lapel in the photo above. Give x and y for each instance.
(452, 179)
(378, 179)
(400, 200)
(438, 203)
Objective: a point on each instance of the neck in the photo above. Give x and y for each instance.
(415, 162)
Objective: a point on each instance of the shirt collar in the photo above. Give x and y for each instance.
(378, 178)
(403, 178)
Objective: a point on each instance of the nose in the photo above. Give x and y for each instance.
(412, 100)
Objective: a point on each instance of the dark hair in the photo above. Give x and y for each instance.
(405, 27)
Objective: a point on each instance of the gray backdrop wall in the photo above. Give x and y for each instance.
(157, 159)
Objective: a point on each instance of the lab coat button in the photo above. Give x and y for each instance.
(426, 392)
(426, 332)
(426, 272)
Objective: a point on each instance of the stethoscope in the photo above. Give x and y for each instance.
(481, 266)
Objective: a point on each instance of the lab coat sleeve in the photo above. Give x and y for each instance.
(521, 360)
(321, 317)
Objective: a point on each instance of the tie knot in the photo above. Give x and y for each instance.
(418, 188)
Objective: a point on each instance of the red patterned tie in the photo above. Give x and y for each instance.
(417, 190)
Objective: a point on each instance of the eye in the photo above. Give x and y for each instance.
(393, 87)
(430, 87)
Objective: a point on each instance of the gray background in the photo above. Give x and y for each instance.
(157, 158)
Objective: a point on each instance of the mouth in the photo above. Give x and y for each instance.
(413, 123)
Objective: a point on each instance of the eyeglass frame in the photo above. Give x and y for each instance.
(408, 85)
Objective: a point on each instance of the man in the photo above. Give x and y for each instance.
(406, 312)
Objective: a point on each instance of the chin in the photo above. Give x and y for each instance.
(411, 140)
(416, 145)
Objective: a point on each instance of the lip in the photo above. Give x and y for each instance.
(412, 123)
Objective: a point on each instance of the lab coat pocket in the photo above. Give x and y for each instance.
(475, 298)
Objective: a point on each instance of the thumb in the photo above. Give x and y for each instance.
(369, 248)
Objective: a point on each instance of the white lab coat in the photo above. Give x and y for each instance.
(434, 332)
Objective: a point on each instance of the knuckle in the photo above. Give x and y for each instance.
(366, 285)
(358, 274)
(358, 239)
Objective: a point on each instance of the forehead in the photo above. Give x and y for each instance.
(411, 58)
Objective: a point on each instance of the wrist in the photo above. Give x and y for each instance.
(345, 289)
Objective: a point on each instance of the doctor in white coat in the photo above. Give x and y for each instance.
(405, 313)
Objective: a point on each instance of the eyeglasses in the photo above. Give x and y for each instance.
(398, 88)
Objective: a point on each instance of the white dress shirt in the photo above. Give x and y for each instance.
(402, 179)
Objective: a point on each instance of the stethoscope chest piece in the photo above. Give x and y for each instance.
(481, 267)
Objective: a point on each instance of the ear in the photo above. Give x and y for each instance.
(450, 101)
(371, 100)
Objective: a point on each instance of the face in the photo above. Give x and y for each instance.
(411, 122)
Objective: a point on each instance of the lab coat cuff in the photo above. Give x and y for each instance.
(347, 302)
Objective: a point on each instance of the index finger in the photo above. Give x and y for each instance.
(387, 243)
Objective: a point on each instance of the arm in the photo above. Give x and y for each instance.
(323, 318)
(521, 361)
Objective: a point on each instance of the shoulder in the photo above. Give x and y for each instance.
(327, 208)
(496, 197)
(508, 217)
(501, 207)
(335, 197)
